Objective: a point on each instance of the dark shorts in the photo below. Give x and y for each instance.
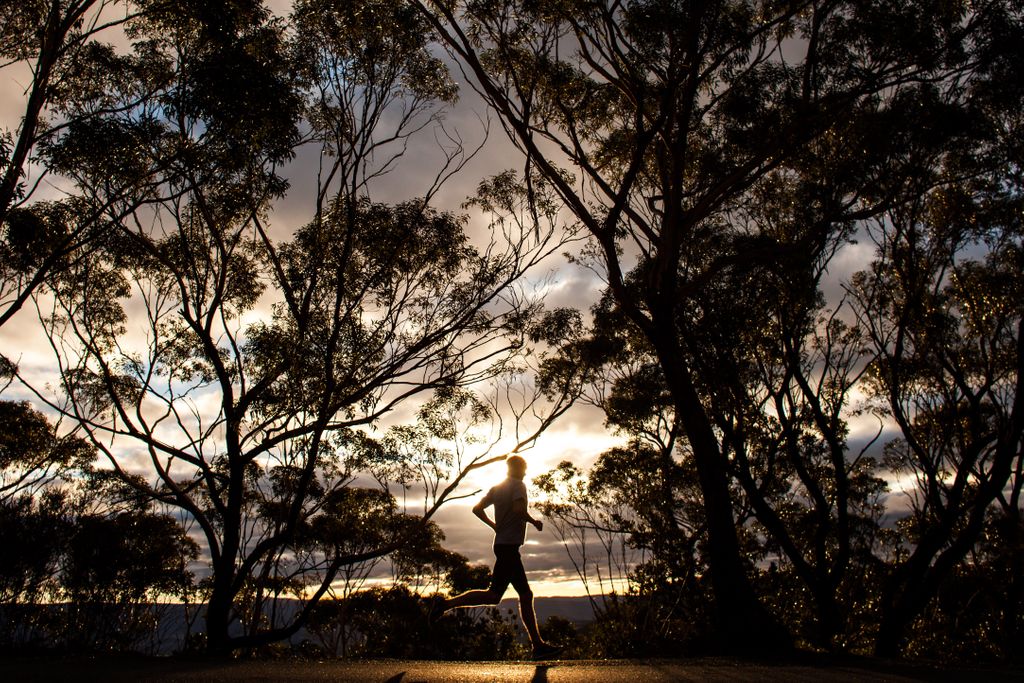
(508, 568)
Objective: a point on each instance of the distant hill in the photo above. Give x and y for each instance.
(578, 610)
(172, 626)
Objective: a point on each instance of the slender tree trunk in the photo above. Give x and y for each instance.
(916, 582)
(222, 597)
(49, 52)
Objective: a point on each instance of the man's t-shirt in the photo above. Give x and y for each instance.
(509, 529)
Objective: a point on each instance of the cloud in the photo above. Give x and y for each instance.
(579, 436)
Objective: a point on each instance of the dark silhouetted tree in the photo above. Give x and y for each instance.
(941, 307)
(115, 570)
(655, 119)
(37, 507)
(73, 80)
(85, 559)
(250, 369)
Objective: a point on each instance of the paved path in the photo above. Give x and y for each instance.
(714, 670)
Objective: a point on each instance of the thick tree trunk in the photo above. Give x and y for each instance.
(892, 630)
(1013, 634)
(744, 625)
(218, 614)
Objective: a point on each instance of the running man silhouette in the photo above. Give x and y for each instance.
(510, 519)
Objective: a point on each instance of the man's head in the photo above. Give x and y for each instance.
(516, 467)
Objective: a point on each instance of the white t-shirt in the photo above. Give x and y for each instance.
(509, 529)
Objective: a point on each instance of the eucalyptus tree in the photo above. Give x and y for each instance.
(940, 310)
(234, 371)
(945, 329)
(36, 512)
(654, 119)
(941, 307)
(33, 453)
(778, 368)
(949, 370)
(65, 54)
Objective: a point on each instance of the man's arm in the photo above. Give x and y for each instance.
(480, 510)
(519, 510)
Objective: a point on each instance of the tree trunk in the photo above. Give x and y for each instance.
(218, 616)
(744, 625)
(892, 631)
(222, 597)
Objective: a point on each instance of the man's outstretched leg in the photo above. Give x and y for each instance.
(477, 598)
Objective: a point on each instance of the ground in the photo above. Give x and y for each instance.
(392, 671)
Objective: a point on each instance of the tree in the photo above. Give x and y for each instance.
(32, 455)
(940, 307)
(778, 378)
(945, 328)
(33, 530)
(669, 113)
(84, 558)
(266, 361)
(116, 569)
(37, 509)
(948, 368)
(74, 81)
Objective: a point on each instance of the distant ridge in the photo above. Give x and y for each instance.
(172, 628)
(577, 609)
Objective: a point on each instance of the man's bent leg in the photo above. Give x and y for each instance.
(517, 577)
(529, 617)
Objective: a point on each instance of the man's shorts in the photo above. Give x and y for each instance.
(508, 568)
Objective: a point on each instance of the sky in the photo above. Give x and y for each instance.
(580, 436)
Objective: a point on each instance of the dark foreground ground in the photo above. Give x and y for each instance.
(653, 671)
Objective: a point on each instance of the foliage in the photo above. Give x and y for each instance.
(390, 622)
(271, 353)
(74, 80)
(32, 454)
(33, 531)
(115, 570)
(722, 155)
(84, 567)
(811, 458)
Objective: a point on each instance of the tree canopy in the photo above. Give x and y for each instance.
(804, 217)
(720, 155)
